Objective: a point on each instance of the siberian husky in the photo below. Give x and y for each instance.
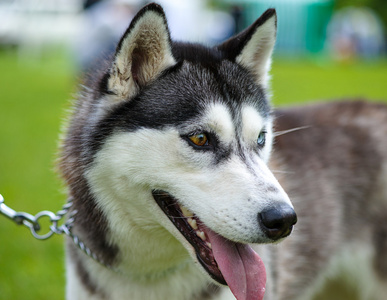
(166, 159)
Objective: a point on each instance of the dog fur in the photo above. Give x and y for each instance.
(131, 144)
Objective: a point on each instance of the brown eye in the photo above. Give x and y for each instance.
(199, 139)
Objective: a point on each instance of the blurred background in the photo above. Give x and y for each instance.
(326, 50)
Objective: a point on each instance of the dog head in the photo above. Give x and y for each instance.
(178, 136)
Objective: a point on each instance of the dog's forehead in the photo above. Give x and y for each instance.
(246, 123)
(187, 90)
(221, 80)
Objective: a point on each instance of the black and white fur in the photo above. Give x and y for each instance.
(128, 148)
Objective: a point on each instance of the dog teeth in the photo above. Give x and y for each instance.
(186, 212)
(192, 222)
(201, 234)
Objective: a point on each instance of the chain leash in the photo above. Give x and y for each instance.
(34, 224)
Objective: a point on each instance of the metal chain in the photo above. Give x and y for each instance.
(34, 224)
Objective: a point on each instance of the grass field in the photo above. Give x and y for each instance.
(33, 99)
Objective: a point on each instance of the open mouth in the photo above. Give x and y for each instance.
(193, 231)
(227, 262)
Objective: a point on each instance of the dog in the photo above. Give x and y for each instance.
(166, 158)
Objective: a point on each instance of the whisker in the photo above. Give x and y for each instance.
(278, 133)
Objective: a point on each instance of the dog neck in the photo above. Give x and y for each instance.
(95, 281)
(148, 255)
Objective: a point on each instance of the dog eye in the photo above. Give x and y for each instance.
(261, 138)
(199, 139)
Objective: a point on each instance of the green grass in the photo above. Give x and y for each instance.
(296, 82)
(33, 98)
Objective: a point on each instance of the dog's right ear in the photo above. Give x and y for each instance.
(142, 54)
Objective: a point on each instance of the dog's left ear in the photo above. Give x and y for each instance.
(142, 54)
(253, 47)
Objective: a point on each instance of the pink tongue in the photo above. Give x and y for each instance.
(241, 267)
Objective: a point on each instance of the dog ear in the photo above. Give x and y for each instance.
(142, 54)
(252, 48)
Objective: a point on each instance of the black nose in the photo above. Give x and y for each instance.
(277, 222)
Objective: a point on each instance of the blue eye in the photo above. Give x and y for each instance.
(261, 138)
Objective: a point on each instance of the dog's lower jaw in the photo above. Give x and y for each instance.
(87, 279)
